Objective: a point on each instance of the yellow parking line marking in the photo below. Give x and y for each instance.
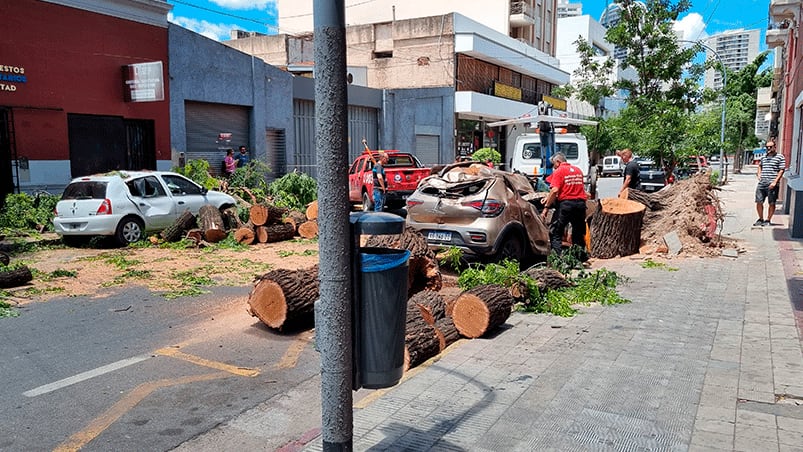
(241, 371)
(290, 357)
(102, 422)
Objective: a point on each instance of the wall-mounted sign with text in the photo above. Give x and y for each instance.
(144, 82)
(11, 77)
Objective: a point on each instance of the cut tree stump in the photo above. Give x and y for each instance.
(175, 231)
(481, 309)
(308, 229)
(258, 214)
(424, 272)
(447, 333)
(420, 339)
(15, 278)
(282, 297)
(294, 218)
(616, 228)
(278, 232)
(211, 223)
(431, 305)
(312, 211)
(245, 235)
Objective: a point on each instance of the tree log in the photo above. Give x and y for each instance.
(278, 232)
(431, 305)
(420, 338)
(616, 228)
(281, 297)
(312, 211)
(261, 233)
(15, 278)
(651, 200)
(424, 272)
(196, 235)
(175, 231)
(547, 278)
(308, 229)
(294, 218)
(481, 309)
(258, 214)
(447, 333)
(211, 223)
(244, 235)
(231, 218)
(4, 258)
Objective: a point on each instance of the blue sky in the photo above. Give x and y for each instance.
(215, 18)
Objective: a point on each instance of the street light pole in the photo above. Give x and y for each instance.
(723, 166)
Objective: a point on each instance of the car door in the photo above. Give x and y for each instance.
(185, 193)
(153, 203)
(355, 194)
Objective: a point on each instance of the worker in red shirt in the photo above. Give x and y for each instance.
(568, 194)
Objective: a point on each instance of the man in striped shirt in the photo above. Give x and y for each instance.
(770, 171)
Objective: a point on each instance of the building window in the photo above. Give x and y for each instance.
(381, 55)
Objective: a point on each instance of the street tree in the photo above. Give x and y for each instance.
(593, 78)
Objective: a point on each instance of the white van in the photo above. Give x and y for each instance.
(612, 164)
(526, 156)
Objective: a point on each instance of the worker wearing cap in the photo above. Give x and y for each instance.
(567, 193)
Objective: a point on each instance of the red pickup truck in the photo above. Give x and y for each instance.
(403, 172)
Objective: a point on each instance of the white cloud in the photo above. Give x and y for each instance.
(218, 32)
(243, 4)
(691, 27)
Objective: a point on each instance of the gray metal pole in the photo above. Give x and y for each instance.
(333, 326)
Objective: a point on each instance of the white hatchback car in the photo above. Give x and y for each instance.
(127, 204)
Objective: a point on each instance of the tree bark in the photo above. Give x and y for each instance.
(547, 278)
(211, 223)
(281, 297)
(420, 339)
(431, 305)
(231, 218)
(312, 211)
(278, 232)
(15, 278)
(447, 333)
(245, 235)
(424, 272)
(175, 231)
(308, 229)
(481, 309)
(294, 218)
(196, 235)
(616, 228)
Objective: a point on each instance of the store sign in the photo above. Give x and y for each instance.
(507, 91)
(144, 82)
(557, 104)
(11, 77)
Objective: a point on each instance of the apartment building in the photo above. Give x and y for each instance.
(567, 9)
(736, 49)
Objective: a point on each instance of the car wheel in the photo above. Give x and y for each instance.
(367, 203)
(75, 241)
(129, 230)
(512, 248)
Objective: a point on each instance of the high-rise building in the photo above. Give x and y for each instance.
(736, 49)
(566, 9)
(610, 18)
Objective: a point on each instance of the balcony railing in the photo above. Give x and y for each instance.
(521, 14)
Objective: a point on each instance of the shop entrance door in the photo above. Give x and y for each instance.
(106, 143)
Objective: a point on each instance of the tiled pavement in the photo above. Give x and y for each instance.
(707, 357)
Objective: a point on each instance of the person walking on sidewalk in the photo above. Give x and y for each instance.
(770, 171)
(568, 191)
(632, 171)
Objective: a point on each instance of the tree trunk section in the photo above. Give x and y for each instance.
(211, 223)
(196, 235)
(294, 218)
(175, 231)
(447, 333)
(258, 214)
(308, 229)
(278, 232)
(431, 305)
(424, 272)
(547, 278)
(650, 200)
(281, 297)
(312, 211)
(420, 338)
(616, 228)
(261, 233)
(481, 309)
(15, 278)
(244, 235)
(231, 218)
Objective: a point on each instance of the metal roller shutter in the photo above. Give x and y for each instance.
(427, 149)
(277, 153)
(204, 123)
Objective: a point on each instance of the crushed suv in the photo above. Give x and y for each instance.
(488, 214)
(126, 204)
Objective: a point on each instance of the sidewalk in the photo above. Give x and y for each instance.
(704, 358)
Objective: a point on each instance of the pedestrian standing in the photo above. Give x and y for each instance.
(770, 170)
(229, 164)
(242, 158)
(567, 192)
(632, 171)
(380, 182)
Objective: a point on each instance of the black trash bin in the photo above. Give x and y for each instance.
(380, 302)
(383, 316)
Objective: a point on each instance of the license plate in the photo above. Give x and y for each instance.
(440, 236)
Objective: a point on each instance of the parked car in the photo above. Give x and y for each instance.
(127, 204)
(487, 213)
(612, 164)
(653, 177)
(403, 172)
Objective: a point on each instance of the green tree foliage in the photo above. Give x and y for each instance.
(25, 212)
(485, 154)
(294, 190)
(198, 171)
(592, 77)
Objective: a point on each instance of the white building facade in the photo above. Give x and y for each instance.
(736, 48)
